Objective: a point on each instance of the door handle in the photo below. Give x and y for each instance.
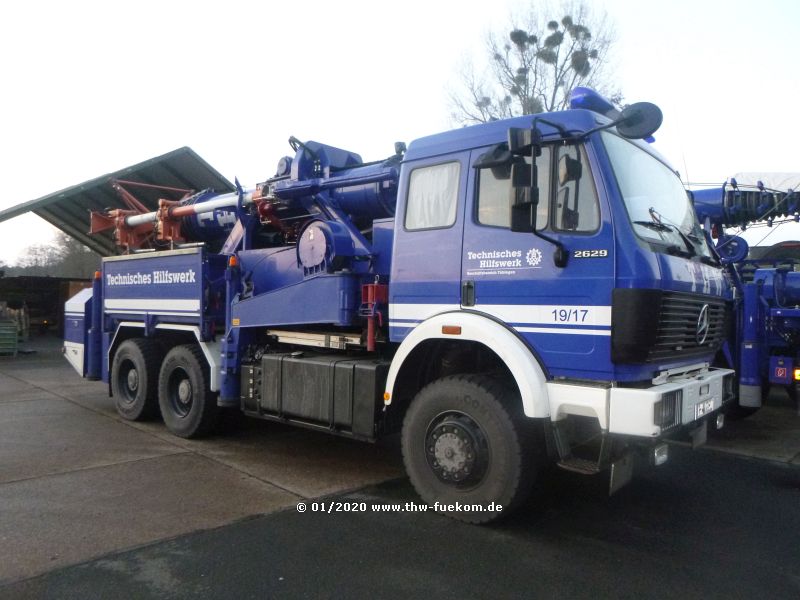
(468, 293)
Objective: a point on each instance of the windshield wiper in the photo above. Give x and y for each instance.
(693, 236)
(654, 225)
(678, 251)
(658, 226)
(689, 239)
(658, 219)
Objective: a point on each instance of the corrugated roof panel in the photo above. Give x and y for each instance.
(68, 209)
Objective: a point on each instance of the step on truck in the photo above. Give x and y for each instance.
(506, 296)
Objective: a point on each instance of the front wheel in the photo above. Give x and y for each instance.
(187, 404)
(464, 452)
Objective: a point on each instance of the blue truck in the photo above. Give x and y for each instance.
(505, 296)
(764, 340)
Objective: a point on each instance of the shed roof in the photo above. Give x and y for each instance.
(68, 209)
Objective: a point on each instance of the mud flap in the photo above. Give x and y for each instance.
(621, 473)
(699, 434)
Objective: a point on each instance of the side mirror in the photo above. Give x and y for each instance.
(520, 141)
(498, 159)
(524, 142)
(569, 169)
(524, 196)
(523, 211)
(521, 173)
(496, 156)
(639, 120)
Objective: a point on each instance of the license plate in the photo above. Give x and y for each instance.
(703, 408)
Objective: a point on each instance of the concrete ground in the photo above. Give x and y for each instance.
(772, 433)
(77, 482)
(706, 525)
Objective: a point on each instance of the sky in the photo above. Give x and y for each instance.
(89, 87)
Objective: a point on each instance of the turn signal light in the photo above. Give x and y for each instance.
(797, 374)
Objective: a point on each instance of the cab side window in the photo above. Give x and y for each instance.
(432, 196)
(495, 193)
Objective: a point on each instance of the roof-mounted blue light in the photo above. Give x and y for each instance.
(636, 121)
(588, 99)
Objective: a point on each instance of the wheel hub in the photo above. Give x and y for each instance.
(451, 452)
(133, 380)
(185, 391)
(456, 450)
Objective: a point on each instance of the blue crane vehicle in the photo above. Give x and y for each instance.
(517, 293)
(764, 337)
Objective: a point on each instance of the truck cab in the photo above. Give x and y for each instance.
(604, 315)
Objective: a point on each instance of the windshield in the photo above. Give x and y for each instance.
(657, 203)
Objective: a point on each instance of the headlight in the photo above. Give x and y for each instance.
(667, 411)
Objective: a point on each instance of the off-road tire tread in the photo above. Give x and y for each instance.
(151, 355)
(209, 415)
(508, 411)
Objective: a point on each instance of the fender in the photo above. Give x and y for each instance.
(527, 371)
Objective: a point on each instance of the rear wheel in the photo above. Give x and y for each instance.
(134, 379)
(187, 404)
(462, 446)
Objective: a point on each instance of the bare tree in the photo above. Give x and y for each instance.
(39, 259)
(76, 260)
(64, 257)
(534, 68)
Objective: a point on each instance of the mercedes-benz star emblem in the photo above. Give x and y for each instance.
(702, 326)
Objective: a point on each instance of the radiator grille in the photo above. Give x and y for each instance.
(652, 325)
(678, 334)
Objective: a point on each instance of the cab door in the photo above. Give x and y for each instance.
(426, 259)
(563, 312)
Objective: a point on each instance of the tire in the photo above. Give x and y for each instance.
(134, 379)
(462, 444)
(188, 406)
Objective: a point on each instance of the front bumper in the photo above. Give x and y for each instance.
(661, 409)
